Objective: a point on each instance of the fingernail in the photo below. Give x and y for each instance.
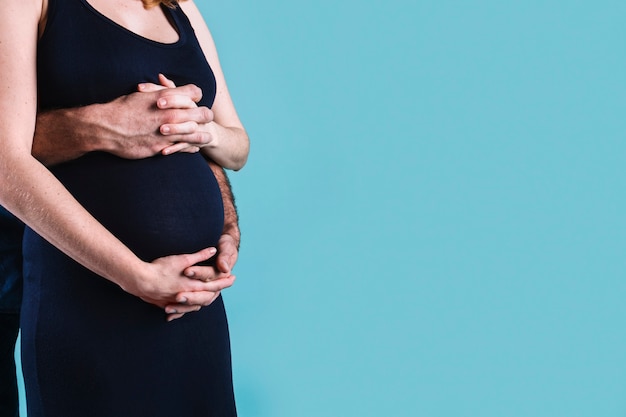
(141, 86)
(171, 311)
(182, 300)
(165, 129)
(189, 273)
(162, 102)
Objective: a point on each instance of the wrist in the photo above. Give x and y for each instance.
(229, 146)
(84, 131)
(133, 276)
(90, 133)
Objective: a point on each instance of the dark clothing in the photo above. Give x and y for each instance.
(89, 348)
(9, 326)
(11, 230)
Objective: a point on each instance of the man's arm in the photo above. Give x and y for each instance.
(231, 217)
(228, 246)
(227, 254)
(130, 126)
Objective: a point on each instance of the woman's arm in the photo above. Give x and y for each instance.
(230, 145)
(33, 194)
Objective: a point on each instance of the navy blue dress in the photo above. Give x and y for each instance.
(89, 348)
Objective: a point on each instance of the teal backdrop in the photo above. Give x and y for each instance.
(433, 211)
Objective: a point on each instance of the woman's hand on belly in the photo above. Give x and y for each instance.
(193, 301)
(222, 271)
(163, 279)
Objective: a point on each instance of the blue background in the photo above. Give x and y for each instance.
(433, 209)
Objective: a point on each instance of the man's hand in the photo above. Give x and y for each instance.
(135, 126)
(146, 123)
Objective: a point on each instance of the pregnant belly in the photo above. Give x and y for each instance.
(156, 206)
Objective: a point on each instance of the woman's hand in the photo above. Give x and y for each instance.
(227, 146)
(187, 302)
(195, 137)
(198, 300)
(163, 279)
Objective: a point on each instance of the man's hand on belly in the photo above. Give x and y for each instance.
(135, 126)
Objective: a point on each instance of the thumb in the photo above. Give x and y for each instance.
(200, 256)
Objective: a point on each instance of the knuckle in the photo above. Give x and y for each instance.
(196, 138)
(192, 126)
(200, 138)
(206, 114)
(172, 116)
(176, 115)
(166, 116)
(154, 148)
(161, 93)
(197, 92)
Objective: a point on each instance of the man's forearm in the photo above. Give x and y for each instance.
(60, 136)
(231, 218)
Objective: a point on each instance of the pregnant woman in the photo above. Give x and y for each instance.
(102, 230)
